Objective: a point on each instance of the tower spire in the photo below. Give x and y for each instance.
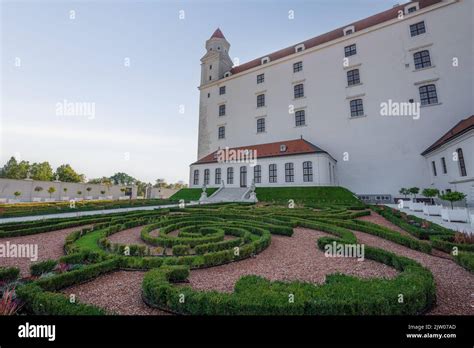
(217, 34)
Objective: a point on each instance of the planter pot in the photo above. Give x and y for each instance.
(110, 197)
(432, 209)
(416, 206)
(36, 199)
(65, 198)
(456, 214)
(49, 200)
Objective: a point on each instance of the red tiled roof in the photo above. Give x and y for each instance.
(218, 34)
(460, 128)
(332, 35)
(293, 147)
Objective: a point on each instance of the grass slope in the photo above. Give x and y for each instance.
(191, 194)
(307, 195)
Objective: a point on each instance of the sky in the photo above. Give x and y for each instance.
(111, 86)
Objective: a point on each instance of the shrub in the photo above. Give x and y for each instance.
(39, 268)
(8, 274)
(466, 260)
(181, 249)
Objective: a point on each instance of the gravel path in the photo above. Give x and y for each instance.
(380, 220)
(454, 284)
(295, 258)
(50, 246)
(117, 292)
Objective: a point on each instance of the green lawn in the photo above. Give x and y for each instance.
(191, 194)
(307, 195)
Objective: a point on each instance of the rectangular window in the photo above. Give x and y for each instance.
(257, 174)
(300, 118)
(217, 176)
(417, 29)
(260, 100)
(350, 50)
(222, 110)
(196, 177)
(298, 66)
(260, 125)
(299, 90)
(462, 164)
(353, 77)
(222, 90)
(428, 95)
(422, 59)
(412, 9)
(272, 173)
(308, 171)
(433, 164)
(230, 176)
(357, 108)
(289, 172)
(261, 78)
(443, 163)
(221, 134)
(206, 176)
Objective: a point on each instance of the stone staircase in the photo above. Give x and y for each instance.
(228, 194)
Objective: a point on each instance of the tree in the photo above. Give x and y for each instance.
(51, 190)
(88, 189)
(65, 173)
(159, 183)
(451, 197)
(122, 178)
(17, 194)
(102, 192)
(79, 193)
(14, 170)
(430, 192)
(414, 191)
(404, 191)
(65, 190)
(41, 171)
(38, 189)
(104, 181)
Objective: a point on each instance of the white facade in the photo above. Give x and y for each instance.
(451, 176)
(375, 154)
(323, 172)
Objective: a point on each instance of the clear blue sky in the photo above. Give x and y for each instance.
(137, 126)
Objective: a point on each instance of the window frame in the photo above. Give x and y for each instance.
(289, 172)
(217, 176)
(260, 78)
(461, 162)
(443, 165)
(261, 100)
(300, 118)
(272, 173)
(433, 168)
(221, 132)
(207, 176)
(261, 125)
(421, 60)
(230, 175)
(222, 90)
(196, 177)
(350, 50)
(222, 110)
(307, 171)
(298, 66)
(298, 91)
(257, 174)
(356, 107)
(353, 77)
(417, 29)
(425, 95)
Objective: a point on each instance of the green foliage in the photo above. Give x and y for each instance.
(9, 274)
(51, 190)
(430, 192)
(466, 260)
(303, 195)
(42, 171)
(414, 191)
(404, 191)
(42, 267)
(181, 249)
(65, 173)
(453, 196)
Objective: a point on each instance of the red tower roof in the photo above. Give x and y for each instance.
(218, 34)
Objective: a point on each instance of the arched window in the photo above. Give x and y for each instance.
(206, 176)
(196, 177)
(462, 164)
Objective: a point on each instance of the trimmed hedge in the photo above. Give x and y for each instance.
(466, 260)
(39, 268)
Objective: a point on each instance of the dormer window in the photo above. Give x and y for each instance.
(265, 60)
(299, 48)
(349, 30)
(283, 148)
(412, 7)
(227, 74)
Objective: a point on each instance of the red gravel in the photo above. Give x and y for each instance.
(380, 220)
(50, 246)
(117, 292)
(454, 284)
(294, 258)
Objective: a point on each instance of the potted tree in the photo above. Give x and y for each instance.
(454, 214)
(414, 206)
(51, 190)
(65, 198)
(431, 209)
(17, 194)
(406, 202)
(38, 189)
(79, 193)
(88, 191)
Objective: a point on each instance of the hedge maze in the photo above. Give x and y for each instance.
(176, 241)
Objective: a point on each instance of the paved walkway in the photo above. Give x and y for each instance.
(456, 226)
(86, 213)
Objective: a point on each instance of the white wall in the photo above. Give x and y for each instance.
(453, 179)
(384, 152)
(27, 188)
(320, 171)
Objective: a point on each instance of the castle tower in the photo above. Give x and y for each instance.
(216, 61)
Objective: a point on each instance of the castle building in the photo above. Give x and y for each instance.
(358, 106)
